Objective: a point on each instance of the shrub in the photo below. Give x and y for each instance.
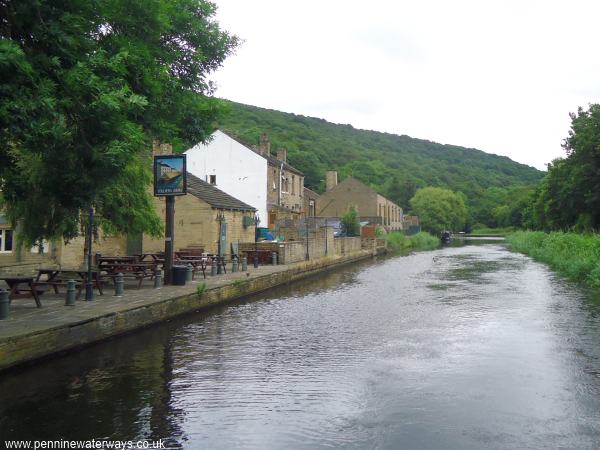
(399, 243)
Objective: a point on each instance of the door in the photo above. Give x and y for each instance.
(272, 219)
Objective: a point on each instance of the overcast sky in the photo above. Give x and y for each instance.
(500, 76)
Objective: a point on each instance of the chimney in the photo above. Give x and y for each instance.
(282, 155)
(264, 146)
(330, 179)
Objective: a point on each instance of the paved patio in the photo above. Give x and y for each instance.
(26, 318)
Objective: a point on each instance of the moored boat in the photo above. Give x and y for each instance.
(446, 237)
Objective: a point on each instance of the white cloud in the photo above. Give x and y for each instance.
(501, 76)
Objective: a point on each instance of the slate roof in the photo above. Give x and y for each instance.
(214, 196)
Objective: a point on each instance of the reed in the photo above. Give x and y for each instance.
(574, 255)
(399, 243)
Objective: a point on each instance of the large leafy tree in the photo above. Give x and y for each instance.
(569, 195)
(86, 86)
(439, 209)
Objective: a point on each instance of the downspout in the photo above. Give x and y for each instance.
(280, 177)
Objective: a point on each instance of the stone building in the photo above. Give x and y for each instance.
(285, 184)
(371, 206)
(16, 258)
(197, 224)
(204, 216)
(311, 203)
(251, 174)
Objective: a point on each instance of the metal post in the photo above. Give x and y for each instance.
(244, 263)
(234, 265)
(307, 256)
(157, 278)
(119, 285)
(71, 293)
(326, 234)
(220, 219)
(169, 238)
(189, 273)
(256, 222)
(213, 267)
(89, 284)
(4, 304)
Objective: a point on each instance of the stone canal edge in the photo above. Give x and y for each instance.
(26, 347)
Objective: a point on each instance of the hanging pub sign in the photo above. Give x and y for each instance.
(169, 175)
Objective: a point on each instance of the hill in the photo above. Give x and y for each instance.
(393, 165)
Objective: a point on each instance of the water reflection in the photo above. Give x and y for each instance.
(469, 346)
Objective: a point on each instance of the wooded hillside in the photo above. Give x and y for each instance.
(394, 165)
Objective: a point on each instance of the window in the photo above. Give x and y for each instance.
(6, 241)
(293, 184)
(213, 179)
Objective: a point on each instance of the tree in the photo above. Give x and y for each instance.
(350, 222)
(400, 192)
(569, 195)
(439, 209)
(86, 87)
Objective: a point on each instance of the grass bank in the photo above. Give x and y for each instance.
(492, 231)
(577, 256)
(399, 243)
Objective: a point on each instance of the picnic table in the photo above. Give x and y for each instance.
(60, 277)
(103, 260)
(136, 270)
(199, 263)
(158, 258)
(18, 291)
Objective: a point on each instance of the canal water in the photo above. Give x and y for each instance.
(465, 347)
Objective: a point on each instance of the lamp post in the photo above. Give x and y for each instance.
(307, 256)
(220, 219)
(326, 243)
(256, 222)
(89, 285)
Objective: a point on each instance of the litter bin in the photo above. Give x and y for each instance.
(179, 273)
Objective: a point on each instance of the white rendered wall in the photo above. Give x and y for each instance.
(240, 172)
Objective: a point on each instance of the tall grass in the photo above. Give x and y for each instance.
(399, 243)
(492, 231)
(574, 255)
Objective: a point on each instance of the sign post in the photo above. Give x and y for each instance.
(169, 181)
